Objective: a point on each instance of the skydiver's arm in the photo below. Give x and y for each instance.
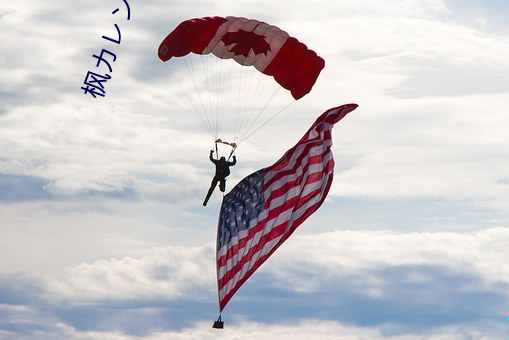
(234, 161)
(210, 156)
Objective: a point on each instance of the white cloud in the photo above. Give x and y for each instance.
(449, 147)
(44, 237)
(307, 263)
(339, 253)
(315, 329)
(437, 274)
(162, 273)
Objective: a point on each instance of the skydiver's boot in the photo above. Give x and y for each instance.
(209, 193)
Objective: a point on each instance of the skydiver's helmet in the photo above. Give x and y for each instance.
(222, 159)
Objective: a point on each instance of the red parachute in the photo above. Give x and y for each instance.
(250, 43)
(247, 42)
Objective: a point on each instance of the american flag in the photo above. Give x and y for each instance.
(266, 207)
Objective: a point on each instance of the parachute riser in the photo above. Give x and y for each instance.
(233, 145)
(231, 153)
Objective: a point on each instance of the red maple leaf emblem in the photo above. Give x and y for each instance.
(246, 41)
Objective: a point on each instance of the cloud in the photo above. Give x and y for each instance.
(168, 273)
(478, 253)
(379, 284)
(371, 284)
(315, 329)
(412, 281)
(448, 159)
(306, 329)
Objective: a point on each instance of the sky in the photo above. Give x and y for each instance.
(102, 231)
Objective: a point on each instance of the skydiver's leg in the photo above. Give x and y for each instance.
(211, 190)
(222, 184)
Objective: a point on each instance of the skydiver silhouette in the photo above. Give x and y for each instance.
(222, 171)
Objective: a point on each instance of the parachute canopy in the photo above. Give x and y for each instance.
(250, 43)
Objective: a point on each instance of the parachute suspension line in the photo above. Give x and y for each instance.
(261, 112)
(244, 109)
(214, 90)
(196, 108)
(208, 121)
(239, 110)
(267, 121)
(225, 69)
(229, 98)
(218, 73)
(255, 94)
(250, 101)
(217, 109)
(207, 81)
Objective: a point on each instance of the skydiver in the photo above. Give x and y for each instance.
(222, 171)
